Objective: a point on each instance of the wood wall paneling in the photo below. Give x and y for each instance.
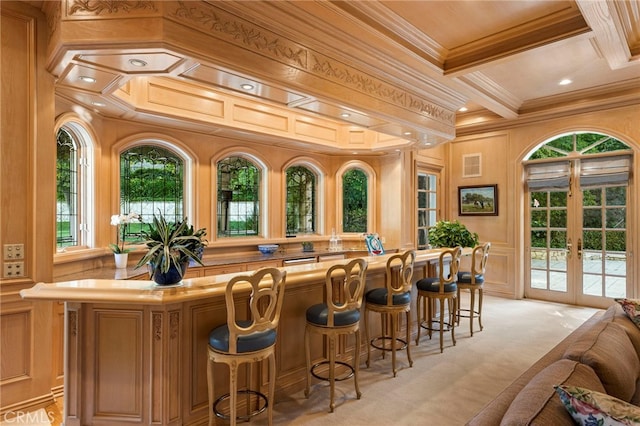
(26, 188)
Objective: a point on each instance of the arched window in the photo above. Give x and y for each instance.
(73, 186)
(238, 209)
(355, 200)
(301, 201)
(151, 182)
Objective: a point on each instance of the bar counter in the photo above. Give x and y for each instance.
(135, 352)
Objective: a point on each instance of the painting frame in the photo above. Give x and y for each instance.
(478, 200)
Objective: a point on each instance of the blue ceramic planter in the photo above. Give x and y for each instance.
(172, 276)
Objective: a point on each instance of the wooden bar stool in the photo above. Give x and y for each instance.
(340, 315)
(442, 288)
(473, 281)
(390, 301)
(247, 337)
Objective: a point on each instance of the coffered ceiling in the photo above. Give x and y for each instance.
(402, 69)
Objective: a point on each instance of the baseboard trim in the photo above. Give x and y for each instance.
(28, 405)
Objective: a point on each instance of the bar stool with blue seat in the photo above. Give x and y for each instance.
(473, 281)
(444, 289)
(390, 301)
(247, 338)
(339, 315)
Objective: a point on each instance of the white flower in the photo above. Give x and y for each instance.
(122, 221)
(115, 220)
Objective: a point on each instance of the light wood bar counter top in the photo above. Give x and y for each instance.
(135, 352)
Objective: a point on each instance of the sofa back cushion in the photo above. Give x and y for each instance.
(606, 348)
(615, 313)
(538, 404)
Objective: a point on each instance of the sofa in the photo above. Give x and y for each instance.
(601, 355)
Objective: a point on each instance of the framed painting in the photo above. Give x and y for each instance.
(478, 200)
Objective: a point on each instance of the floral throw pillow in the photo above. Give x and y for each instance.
(589, 408)
(632, 308)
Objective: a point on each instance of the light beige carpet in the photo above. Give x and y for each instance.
(441, 389)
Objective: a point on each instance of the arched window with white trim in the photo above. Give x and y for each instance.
(239, 182)
(74, 183)
(152, 181)
(356, 203)
(302, 200)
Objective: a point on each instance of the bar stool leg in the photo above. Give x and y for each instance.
(211, 391)
(272, 386)
(472, 309)
(408, 337)
(441, 325)
(332, 372)
(393, 342)
(420, 316)
(366, 336)
(453, 326)
(356, 364)
(480, 307)
(308, 358)
(233, 392)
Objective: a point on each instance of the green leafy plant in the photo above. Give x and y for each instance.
(172, 243)
(451, 234)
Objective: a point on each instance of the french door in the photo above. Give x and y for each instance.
(578, 245)
(577, 229)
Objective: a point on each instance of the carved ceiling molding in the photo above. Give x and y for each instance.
(111, 7)
(251, 37)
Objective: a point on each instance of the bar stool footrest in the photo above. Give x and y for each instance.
(468, 315)
(337, 379)
(260, 397)
(424, 325)
(383, 339)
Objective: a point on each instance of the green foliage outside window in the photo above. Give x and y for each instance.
(354, 201)
(301, 200)
(603, 207)
(238, 197)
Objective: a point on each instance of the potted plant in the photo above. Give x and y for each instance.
(121, 222)
(451, 234)
(170, 248)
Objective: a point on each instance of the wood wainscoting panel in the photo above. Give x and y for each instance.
(115, 377)
(16, 333)
(57, 352)
(166, 364)
(200, 318)
(290, 355)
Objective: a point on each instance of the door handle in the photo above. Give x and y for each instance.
(579, 248)
(569, 248)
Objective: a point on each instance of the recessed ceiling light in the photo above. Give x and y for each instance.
(247, 86)
(407, 133)
(565, 81)
(87, 79)
(138, 62)
(98, 104)
(463, 109)
(345, 115)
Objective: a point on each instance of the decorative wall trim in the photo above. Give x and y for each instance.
(73, 322)
(157, 326)
(174, 325)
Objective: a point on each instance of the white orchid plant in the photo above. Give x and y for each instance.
(121, 222)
